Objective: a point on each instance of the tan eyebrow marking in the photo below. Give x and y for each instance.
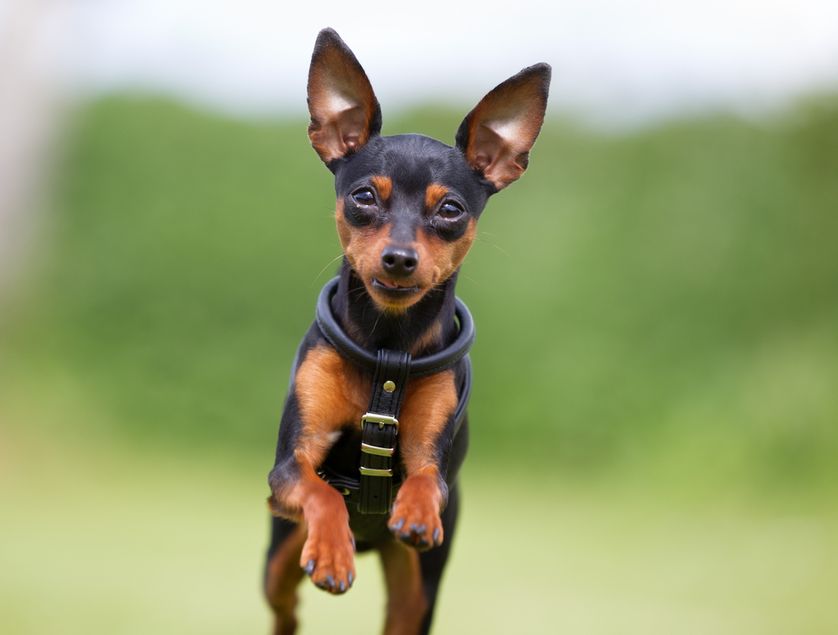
(384, 186)
(434, 193)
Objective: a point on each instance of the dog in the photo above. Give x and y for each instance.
(374, 430)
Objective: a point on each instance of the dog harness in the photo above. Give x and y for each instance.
(373, 488)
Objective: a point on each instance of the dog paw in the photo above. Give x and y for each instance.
(329, 558)
(415, 519)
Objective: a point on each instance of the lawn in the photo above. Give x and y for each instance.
(105, 540)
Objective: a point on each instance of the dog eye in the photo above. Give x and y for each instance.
(363, 196)
(450, 210)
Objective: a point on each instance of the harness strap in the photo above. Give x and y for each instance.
(350, 484)
(380, 429)
(373, 490)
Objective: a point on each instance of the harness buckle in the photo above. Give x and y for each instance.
(381, 420)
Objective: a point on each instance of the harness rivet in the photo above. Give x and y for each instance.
(389, 386)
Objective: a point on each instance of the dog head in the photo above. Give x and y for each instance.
(408, 205)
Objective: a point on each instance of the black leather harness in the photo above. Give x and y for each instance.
(373, 489)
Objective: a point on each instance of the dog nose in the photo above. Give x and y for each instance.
(399, 262)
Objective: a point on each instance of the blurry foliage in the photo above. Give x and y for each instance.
(664, 299)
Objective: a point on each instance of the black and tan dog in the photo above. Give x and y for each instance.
(373, 432)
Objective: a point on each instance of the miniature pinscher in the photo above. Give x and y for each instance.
(374, 431)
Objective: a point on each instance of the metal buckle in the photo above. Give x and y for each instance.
(377, 450)
(381, 420)
(374, 471)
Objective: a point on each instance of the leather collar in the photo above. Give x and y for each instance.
(419, 366)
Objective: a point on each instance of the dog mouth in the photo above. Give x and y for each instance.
(393, 288)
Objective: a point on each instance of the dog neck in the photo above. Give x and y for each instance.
(424, 328)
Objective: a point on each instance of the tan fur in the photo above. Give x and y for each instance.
(418, 505)
(344, 230)
(330, 543)
(281, 579)
(384, 186)
(428, 404)
(445, 257)
(406, 601)
(438, 259)
(331, 393)
(434, 194)
(362, 247)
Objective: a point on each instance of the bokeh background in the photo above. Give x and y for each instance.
(654, 415)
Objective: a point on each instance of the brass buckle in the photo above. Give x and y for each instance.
(381, 420)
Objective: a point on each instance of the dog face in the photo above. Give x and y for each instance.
(407, 210)
(407, 205)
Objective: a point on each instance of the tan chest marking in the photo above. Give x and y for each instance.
(330, 393)
(429, 403)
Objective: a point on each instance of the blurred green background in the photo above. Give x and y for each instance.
(656, 309)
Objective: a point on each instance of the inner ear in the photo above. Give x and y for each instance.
(497, 136)
(344, 110)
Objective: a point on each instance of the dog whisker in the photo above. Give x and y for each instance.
(328, 264)
(479, 238)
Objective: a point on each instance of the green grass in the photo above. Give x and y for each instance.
(105, 541)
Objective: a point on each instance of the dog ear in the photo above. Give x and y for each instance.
(344, 110)
(497, 135)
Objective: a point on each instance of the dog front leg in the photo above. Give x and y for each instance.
(425, 422)
(328, 553)
(325, 397)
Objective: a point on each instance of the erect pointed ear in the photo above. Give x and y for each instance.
(497, 135)
(344, 110)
